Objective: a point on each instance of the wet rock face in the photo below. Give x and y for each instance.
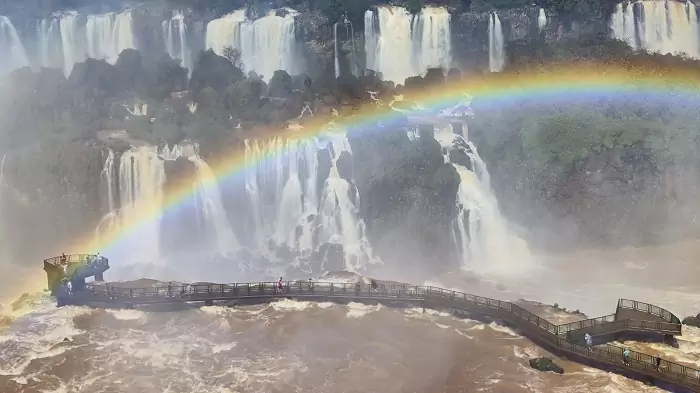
(344, 165)
(407, 196)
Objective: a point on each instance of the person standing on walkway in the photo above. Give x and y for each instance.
(657, 361)
(279, 285)
(626, 356)
(589, 341)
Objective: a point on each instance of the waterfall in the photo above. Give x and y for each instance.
(496, 44)
(481, 233)
(422, 42)
(666, 27)
(49, 53)
(141, 182)
(339, 213)
(70, 38)
(337, 42)
(12, 51)
(176, 38)
(108, 176)
(141, 190)
(541, 20)
(266, 45)
(371, 40)
(291, 204)
(623, 25)
(280, 196)
(432, 39)
(336, 50)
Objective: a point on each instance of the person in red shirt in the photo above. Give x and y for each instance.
(279, 285)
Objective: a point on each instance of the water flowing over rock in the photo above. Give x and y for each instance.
(298, 199)
(102, 36)
(422, 41)
(141, 184)
(481, 232)
(266, 45)
(70, 38)
(496, 44)
(176, 36)
(12, 51)
(542, 19)
(667, 27)
(337, 44)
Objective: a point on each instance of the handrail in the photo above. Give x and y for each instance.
(608, 353)
(77, 258)
(586, 324)
(648, 308)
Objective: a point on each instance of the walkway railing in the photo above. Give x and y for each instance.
(76, 258)
(648, 308)
(537, 328)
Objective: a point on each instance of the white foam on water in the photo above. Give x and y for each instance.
(224, 347)
(525, 352)
(35, 336)
(461, 333)
(291, 305)
(151, 349)
(503, 329)
(358, 310)
(128, 315)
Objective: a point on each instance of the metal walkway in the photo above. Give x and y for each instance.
(630, 316)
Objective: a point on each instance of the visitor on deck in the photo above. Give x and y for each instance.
(657, 361)
(589, 341)
(626, 356)
(279, 285)
(170, 289)
(373, 285)
(64, 259)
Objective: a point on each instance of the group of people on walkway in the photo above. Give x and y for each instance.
(626, 353)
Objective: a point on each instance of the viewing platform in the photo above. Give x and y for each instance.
(566, 339)
(73, 269)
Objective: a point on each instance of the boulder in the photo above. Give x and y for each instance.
(546, 364)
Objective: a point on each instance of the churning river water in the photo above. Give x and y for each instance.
(292, 346)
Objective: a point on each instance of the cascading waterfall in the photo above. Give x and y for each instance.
(176, 38)
(432, 39)
(339, 213)
(350, 35)
(393, 33)
(141, 182)
(483, 239)
(666, 27)
(623, 24)
(12, 50)
(48, 32)
(496, 44)
(266, 45)
(212, 208)
(541, 20)
(71, 38)
(291, 205)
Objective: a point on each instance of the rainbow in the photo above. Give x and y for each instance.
(556, 83)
